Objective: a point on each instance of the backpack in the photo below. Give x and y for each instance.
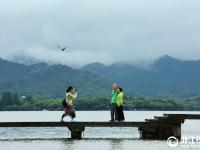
(64, 102)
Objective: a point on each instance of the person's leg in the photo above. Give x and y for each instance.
(118, 113)
(115, 112)
(73, 116)
(112, 111)
(121, 114)
(73, 113)
(64, 114)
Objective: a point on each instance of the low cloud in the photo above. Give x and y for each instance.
(103, 31)
(73, 58)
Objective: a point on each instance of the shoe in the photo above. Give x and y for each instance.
(72, 120)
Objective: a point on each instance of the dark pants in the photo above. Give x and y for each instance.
(120, 113)
(114, 114)
(69, 111)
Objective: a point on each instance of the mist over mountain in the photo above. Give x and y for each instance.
(27, 60)
(167, 76)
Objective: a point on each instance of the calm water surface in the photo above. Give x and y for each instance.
(94, 138)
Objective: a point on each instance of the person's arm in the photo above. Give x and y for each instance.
(73, 95)
(66, 94)
(118, 100)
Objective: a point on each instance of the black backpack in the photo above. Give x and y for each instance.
(64, 102)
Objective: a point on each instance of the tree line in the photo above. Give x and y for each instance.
(13, 102)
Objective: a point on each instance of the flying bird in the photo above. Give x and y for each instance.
(62, 48)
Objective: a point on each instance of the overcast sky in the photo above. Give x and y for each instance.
(103, 31)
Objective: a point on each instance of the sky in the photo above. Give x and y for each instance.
(105, 31)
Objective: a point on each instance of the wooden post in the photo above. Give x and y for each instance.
(76, 131)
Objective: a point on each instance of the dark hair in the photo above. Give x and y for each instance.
(69, 89)
(120, 89)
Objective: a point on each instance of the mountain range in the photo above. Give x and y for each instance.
(167, 76)
(49, 81)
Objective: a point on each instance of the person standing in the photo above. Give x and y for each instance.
(120, 104)
(114, 103)
(71, 95)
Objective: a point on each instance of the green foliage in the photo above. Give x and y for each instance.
(11, 101)
(8, 99)
(15, 99)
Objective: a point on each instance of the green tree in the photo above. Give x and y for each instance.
(15, 99)
(7, 99)
(29, 98)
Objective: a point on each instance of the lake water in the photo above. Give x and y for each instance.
(94, 138)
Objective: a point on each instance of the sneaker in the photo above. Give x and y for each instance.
(72, 120)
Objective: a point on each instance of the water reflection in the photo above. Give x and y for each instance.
(116, 144)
